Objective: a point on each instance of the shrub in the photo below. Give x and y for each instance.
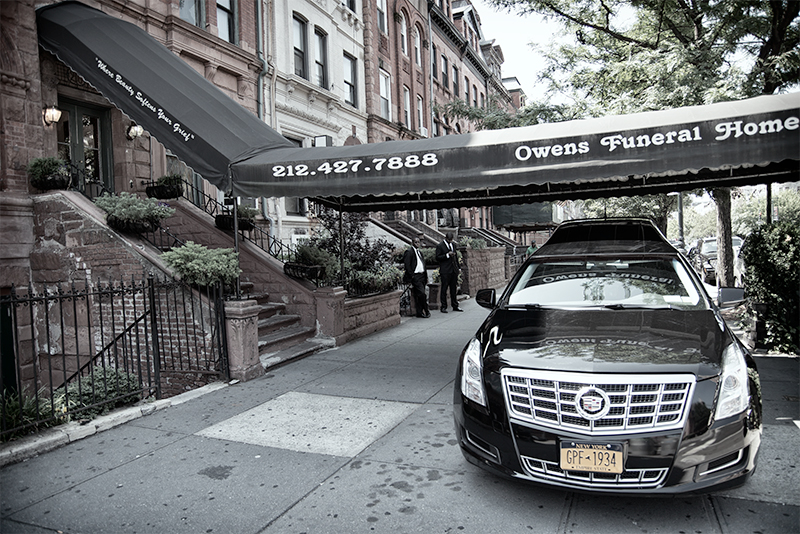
(308, 254)
(199, 265)
(126, 207)
(471, 242)
(170, 179)
(48, 173)
(772, 255)
(246, 213)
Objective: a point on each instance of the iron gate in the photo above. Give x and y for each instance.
(72, 351)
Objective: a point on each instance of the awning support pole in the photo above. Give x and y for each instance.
(341, 243)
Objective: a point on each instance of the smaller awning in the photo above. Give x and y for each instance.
(189, 115)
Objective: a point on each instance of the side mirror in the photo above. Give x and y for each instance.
(486, 298)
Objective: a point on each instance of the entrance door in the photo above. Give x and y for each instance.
(84, 139)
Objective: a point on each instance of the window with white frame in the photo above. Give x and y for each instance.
(403, 34)
(383, 24)
(455, 81)
(350, 66)
(407, 107)
(466, 90)
(320, 58)
(420, 112)
(386, 95)
(300, 47)
(226, 21)
(192, 11)
(474, 96)
(434, 67)
(445, 70)
(417, 46)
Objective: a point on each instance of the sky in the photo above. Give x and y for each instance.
(514, 33)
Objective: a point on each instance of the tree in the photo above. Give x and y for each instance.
(656, 54)
(654, 207)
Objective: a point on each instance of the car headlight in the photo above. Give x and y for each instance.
(733, 398)
(472, 373)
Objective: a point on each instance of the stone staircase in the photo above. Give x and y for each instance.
(281, 337)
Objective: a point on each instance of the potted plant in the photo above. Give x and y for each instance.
(130, 213)
(200, 265)
(245, 214)
(48, 173)
(310, 263)
(166, 187)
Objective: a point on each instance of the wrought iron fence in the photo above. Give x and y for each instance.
(72, 351)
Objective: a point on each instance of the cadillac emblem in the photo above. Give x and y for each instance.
(592, 403)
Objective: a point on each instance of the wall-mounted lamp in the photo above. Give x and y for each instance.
(134, 131)
(51, 115)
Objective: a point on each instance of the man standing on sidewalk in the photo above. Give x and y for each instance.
(447, 257)
(417, 276)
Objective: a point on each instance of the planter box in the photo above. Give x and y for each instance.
(164, 192)
(303, 272)
(225, 222)
(54, 181)
(130, 227)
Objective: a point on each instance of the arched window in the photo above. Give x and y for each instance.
(417, 46)
(403, 34)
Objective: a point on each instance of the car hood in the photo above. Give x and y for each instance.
(607, 341)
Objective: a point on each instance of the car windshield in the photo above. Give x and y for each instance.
(655, 283)
(709, 247)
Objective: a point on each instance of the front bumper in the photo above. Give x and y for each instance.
(666, 462)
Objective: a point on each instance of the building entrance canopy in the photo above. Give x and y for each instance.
(734, 143)
(189, 115)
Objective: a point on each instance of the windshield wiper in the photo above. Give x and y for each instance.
(619, 306)
(522, 306)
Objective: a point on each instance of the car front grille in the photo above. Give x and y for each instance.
(628, 479)
(634, 403)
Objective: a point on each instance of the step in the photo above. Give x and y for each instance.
(270, 309)
(284, 338)
(295, 352)
(274, 323)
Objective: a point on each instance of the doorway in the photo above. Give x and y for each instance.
(84, 140)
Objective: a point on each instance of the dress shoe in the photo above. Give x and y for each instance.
(457, 309)
(444, 310)
(427, 314)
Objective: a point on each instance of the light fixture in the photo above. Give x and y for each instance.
(51, 115)
(134, 131)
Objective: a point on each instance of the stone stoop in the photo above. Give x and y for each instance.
(295, 352)
(281, 338)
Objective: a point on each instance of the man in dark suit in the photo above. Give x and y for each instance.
(447, 257)
(417, 276)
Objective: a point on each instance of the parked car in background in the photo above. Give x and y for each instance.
(604, 366)
(704, 257)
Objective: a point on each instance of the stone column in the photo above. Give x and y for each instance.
(241, 325)
(330, 311)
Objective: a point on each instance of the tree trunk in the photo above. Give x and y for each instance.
(722, 197)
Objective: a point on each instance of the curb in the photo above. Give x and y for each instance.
(29, 446)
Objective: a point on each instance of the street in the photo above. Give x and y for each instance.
(360, 439)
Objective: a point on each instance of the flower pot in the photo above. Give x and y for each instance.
(130, 227)
(225, 222)
(164, 192)
(303, 272)
(53, 181)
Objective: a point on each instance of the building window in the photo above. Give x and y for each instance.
(417, 47)
(445, 70)
(403, 34)
(320, 58)
(300, 47)
(420, 113)
(386, 95)
(434, 68)
(466, 90)
(350, 66)
(455, 81)
(192, 12)
(483, 101)
(351, 5)
(226, 22)
(407, 107)
(383, 25)
(474, 96)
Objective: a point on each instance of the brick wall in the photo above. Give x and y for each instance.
(364, 316)
(483, 268)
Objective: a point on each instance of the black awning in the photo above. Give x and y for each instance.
(733, 143)
(193, 118)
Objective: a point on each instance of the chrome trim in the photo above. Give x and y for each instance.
(724, 466)
(630, 478)
(639, 403)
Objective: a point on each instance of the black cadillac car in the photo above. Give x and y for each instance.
(604, 366)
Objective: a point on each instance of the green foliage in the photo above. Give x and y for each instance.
(246, 213)
(99, 392)
(199, 265)
(360, 253)
(654, 207)
(471, 242)
(750, 212)
(382, 279)
(170, 179)
(132, 208)
(44, 173)
(308, 254)
(771, 254)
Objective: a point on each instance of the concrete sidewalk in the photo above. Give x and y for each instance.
(353, 439)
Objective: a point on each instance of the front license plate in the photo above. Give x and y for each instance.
(595, 457)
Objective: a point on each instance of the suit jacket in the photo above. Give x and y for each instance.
(410, 263)
(447, 265)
